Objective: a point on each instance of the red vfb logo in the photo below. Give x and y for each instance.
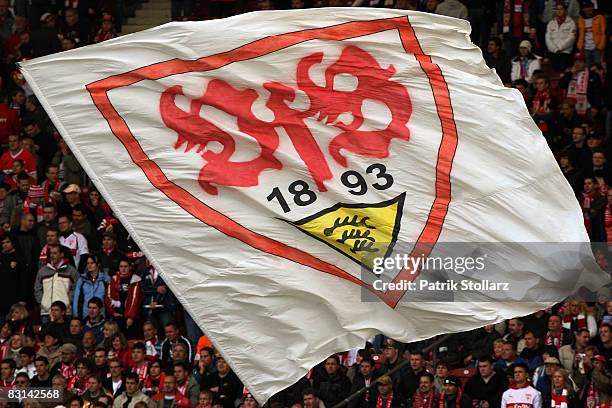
(319, 156)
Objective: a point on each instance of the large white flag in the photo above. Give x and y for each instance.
(281, 169)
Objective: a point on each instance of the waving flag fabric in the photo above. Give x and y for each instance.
(270, 164)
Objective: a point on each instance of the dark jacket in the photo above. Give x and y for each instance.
(332, 389)
(364, 399)
(398, 377)
(465, 402)
(109, 262)
(501, 64)
(492, 392)
(230, 388)
(14, 286)
(480, 343)
(149, 284)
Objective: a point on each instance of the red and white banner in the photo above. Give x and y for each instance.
(268, 162)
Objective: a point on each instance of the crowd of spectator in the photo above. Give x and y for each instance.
(82, 310)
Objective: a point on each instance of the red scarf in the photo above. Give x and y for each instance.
(541, 103)
(78, 385)
(46, 191)
(423, 400)
(183, 388)
(27, 209)
(608, 221)
(592, 399)
(559, 400)
(142, 371)
(515, 386)
(554, 340)
(379, 401)
(7, 384)
(151, 383)
(580, 320)
(577, 91)
(442, 401)
(516, 13)
(67, 371)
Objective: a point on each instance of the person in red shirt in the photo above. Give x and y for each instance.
(9, 121)
(16, 152)
(12, 179)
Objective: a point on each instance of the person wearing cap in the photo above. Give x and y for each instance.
(525, 63)
(332, 383)
(560, 37)
(426, 396)
(392, 353)
(583, 86)
(452, 395)
(591, 33)
(595, 381)
(386, 397)
(107, 30)
(521, 393)
(66, 366)
(72, 194)
(486, 387)
(542, 379)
